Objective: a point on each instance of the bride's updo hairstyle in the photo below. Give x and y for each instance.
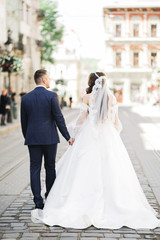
(91, 80)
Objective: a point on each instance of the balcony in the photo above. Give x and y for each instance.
(126, 39)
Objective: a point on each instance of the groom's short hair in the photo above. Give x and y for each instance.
(38, 75)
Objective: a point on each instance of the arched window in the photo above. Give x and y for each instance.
(135, 59)
(153, 26)
(118, 57)
(119, 26)
(136, 26)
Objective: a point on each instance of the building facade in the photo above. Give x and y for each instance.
(65, 74)
(132, 49)
(21, 17)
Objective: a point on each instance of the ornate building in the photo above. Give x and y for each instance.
(21, 17)
(132, 47)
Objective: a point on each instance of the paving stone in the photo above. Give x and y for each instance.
(4, 224)
(144, 231)
(46, 238)
(9, 231)
(57, 230)
(88, 238)
(12, 235)
(132, 236)
(33, 224)
(73, 230)
(124, 231)
(68, 234)
(99, 231)
(31, 238)
(127, 238)
(38, 228)
(92, 235)
(17, 224)
(108, 238)
(49, 234)
(110, 235)
(69, 238)
(30, 235)
(8, 238)
(2, 229)
(150, 236)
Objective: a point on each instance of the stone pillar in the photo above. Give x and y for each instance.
(144, 90)
(145, 25)
(126, 91)
(127, 25)
(110, 22)
(145, 55)
(127, 56)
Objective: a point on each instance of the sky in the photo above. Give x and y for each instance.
(86, 18)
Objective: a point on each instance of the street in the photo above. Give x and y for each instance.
(141, 134)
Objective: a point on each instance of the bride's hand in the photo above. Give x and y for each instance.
(71, 141)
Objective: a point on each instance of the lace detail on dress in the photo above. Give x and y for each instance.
(84, 111)
(113, 113)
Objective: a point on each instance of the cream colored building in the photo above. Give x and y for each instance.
(66, 71)
(22, 18)
(132, 47)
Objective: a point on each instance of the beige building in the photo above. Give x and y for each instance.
(65, 73)
(132, 47)
(22, 18)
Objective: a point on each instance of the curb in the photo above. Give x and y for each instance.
(9, 128)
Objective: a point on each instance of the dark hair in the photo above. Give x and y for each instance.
(91, 80)
(38, 75)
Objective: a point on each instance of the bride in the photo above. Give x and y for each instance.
(96, 183)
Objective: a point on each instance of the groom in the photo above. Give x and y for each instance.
(40, 114)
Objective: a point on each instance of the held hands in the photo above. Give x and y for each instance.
(71, 141)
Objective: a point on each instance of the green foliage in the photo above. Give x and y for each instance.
(51, 31)
(9, 63)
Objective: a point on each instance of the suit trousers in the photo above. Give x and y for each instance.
(36, 153)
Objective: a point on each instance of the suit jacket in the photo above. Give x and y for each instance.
(40, 114)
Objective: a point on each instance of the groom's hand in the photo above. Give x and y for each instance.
(71, 141)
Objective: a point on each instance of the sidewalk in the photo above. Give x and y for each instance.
(10, 126)
(15, 222)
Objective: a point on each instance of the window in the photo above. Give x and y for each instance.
(153, 30)
(153, 59)
(118, 59)
(135, 30)
(135, 59)
(118, 30)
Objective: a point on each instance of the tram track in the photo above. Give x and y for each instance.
(68, 115)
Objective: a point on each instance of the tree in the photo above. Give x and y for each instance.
(51, 31)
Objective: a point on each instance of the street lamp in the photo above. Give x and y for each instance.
(9, 46)
(9, 43)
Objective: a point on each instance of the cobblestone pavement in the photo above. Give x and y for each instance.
(15, 222)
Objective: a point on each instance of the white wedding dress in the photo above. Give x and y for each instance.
(96, 183)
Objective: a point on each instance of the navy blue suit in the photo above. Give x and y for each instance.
(40, 117)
